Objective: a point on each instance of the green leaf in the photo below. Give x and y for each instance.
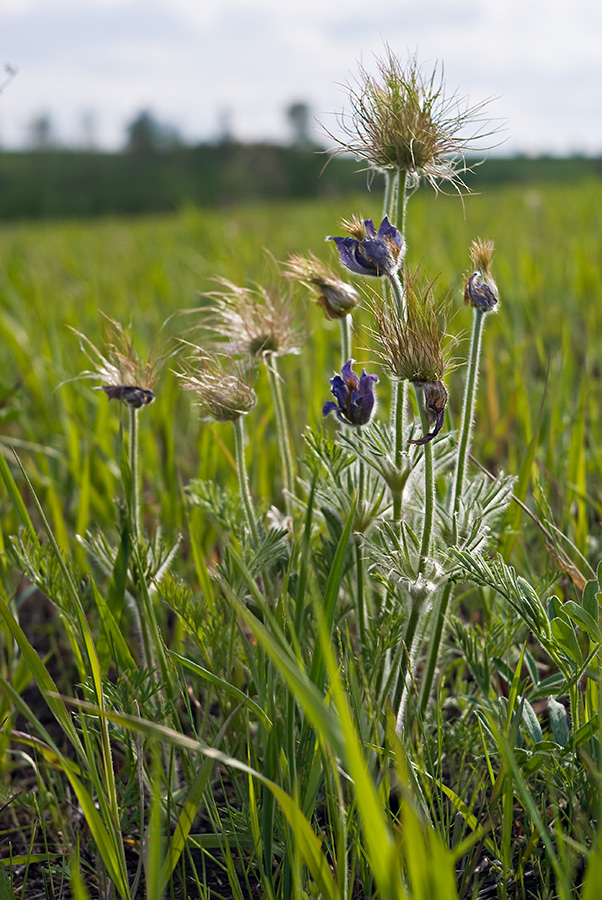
(558, 721)
(222, 685)
(531, 723)
(590, 600)
(6, 889)
(567, 640)
(583, 619)
(593, 874)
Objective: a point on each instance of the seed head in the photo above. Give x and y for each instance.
(410, 346)
(336, 297)
(118, 366)
(402, 121)
(253, 322)
(220, 394)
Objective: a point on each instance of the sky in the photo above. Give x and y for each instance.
(210, 66)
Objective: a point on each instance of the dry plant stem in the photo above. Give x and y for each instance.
(135, 511)
(284, 441)
(243, 481)
(461, 460)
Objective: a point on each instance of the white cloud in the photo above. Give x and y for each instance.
(189, 60)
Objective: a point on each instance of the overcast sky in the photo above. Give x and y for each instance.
(201, 64)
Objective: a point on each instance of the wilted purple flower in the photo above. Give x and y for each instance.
(480, 290)
(435, 401)
(368, 252)
(355, 398)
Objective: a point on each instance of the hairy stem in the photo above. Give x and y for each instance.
(345, 326)
(243, 480)
(440, 615)
(429, 487)
(134, 469)
(359, 559)
(467, 412)
(284, 442)
(399, 701)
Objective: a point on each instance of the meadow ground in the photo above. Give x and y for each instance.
(198, 629)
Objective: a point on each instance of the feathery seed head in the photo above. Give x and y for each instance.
(118, 366)
(402, 120)
(253, 322)
(410, 346)
(220, 394)
(336, 297)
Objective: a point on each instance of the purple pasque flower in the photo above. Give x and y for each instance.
(355, 398)
(370, 252)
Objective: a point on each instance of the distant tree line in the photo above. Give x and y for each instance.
(157, 172)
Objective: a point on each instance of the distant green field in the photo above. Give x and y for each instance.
(141, 271)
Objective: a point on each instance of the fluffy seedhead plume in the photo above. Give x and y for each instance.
(336, 297)
(252, 322)
(223, 394)
(410, 343)
(119, 368)
(403, 121)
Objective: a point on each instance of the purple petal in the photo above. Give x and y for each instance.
(329, 406)
(369, 226)
(339, 389)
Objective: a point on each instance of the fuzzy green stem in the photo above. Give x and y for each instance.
(439, 618)
(467, 412)
(243, 480)
(391, 199)
(359, 559)
(399, 295)
(134, 469)
(398, 406)
(461, 459)
(399, 701)
(284, 442)
(429, 487)
(345, 326)
(398, 400)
